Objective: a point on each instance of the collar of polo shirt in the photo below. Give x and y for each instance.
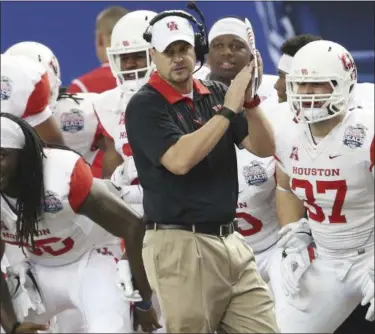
(171, 94)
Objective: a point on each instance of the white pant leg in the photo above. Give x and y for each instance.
(329, 291)
(262, 261)
(70, 321)
(99, 298)
(13, 254)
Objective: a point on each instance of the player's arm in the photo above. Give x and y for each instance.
(111, 158)
(50, 132)
(260, 139)
(118, 218)
(289, 207)
(92, 198)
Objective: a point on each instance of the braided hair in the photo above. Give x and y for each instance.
(30, 199)
(30, 195)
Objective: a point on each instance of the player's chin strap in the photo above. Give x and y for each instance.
(72, 96)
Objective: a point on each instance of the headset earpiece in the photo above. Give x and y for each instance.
(147, 35)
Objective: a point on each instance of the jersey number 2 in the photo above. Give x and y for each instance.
(315, 211)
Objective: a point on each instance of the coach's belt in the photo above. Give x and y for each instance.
(222, 230)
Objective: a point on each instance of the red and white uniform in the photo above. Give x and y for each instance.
(73, 255)
(256, 210)
(335, 180)
(25, 92)
(110, 109)
(365, 94)
(25, 89)
(79, 125)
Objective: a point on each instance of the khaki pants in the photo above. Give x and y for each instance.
(206, 283)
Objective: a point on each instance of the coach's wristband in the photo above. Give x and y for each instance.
(15, 326)
(253, 103)
(143, 305)
(227, 113)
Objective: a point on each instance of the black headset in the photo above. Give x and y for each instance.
(201, 39)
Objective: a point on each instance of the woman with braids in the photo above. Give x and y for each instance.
(69, 225)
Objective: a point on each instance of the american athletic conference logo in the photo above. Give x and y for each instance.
(52, 203)
(255, 174)
(354, 136)
(72, 121)
(6, 88)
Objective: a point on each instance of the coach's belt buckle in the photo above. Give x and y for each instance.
(229, 230)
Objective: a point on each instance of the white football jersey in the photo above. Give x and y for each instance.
(334, 178)
(110, 108)
(365, 94)
(63, 235)
(78, 122)
(256, 210)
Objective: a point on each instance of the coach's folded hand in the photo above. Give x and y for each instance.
(235, 95)
(146, 317)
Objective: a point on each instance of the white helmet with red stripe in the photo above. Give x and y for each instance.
(127, 38)
(25, 89)
(321, 62)
(42, 54)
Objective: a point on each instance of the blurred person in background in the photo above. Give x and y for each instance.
(100, 79)
(229, 52)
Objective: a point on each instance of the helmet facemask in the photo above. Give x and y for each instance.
(321, 63)
(312, 108)
(130, 79)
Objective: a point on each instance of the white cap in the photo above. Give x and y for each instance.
(11, 134)
(171, 29)
(229, 26)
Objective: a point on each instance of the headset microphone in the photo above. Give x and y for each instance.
(193, 6)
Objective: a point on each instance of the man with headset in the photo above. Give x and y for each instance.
(182, 133)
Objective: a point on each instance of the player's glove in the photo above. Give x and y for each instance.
(125, 174)
(368, 290)
(125, 283)
(294, 264)
(24, 290)
(295, 235)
